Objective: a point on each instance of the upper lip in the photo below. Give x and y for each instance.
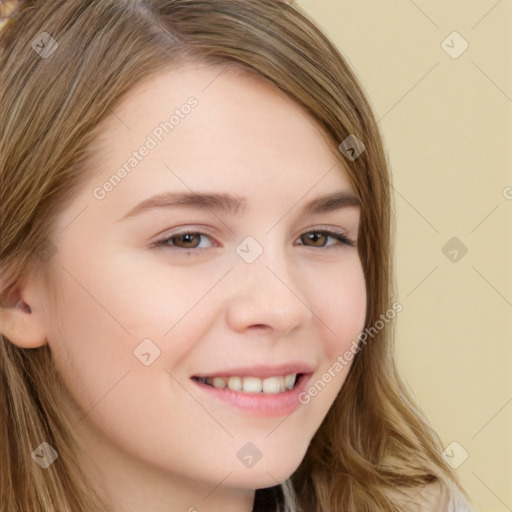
(261, 371)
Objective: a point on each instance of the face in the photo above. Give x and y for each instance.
(183, 322)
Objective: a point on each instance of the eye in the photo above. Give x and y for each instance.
(188, 238)
(324, 234)
(191, 239)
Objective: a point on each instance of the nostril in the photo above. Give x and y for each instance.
(23, 305)
(259, 327)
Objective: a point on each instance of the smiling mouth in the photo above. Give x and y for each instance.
(253, 385)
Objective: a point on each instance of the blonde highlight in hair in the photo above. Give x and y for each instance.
(375, 450)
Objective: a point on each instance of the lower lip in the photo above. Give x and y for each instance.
(259, 404)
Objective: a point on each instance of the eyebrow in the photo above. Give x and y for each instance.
(232, 204)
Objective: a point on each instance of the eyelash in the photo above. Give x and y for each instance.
(334, 234)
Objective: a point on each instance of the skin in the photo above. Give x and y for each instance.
(152, 439)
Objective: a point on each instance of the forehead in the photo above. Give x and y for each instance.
(241, 125)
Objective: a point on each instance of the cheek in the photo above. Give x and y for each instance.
(342, 312)
(91, 347)
(112, 313)
(105, 313)
(341, 307)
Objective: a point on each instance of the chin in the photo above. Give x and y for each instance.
(266, 473)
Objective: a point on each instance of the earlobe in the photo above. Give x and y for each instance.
(21, 326)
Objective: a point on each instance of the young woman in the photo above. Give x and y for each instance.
(195, 270)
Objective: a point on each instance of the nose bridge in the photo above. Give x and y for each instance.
(264, 290)
(265, 264)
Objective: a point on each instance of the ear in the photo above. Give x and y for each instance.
(22, 323)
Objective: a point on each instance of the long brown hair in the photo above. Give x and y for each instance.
(374, 451)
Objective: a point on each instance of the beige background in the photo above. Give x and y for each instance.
(447, 126)
(448, 131)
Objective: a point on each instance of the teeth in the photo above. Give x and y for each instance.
(252, 385)
(270, 385)
(219, 383)
(234, 383)
(289, 381)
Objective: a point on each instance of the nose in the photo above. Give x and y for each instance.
(266, 296)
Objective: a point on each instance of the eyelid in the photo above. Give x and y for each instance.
(336, 233)
(185, 231)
